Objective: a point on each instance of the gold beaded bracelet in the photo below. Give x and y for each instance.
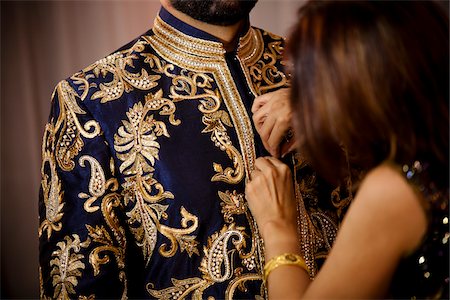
(284, 259)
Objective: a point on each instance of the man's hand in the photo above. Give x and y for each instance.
(272, 116)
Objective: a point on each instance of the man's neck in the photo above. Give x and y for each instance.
(228, 35)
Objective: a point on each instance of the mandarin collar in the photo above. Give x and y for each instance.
(185, 35)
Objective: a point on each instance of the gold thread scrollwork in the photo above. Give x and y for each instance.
(214, 122)
(186, 87)
(180, 289)
(100, 235)
(264, 73)
(123, 80)
(181, 236)
(239, 283)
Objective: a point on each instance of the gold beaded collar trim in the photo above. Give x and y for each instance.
(186, 43)
(247, 48)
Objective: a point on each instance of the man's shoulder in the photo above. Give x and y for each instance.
(267, 35)
(111, 75)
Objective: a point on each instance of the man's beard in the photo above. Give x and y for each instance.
(216, 12)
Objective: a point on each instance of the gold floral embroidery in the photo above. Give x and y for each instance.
(67, 266)
(51, 186)
(232, 204)
(136, 142)
(68, 131)
(137, 147)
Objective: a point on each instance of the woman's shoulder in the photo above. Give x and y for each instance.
(387, 186)
(386, 193)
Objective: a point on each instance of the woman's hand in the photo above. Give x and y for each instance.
(270, 196)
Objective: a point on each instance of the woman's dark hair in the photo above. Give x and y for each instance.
(371, 77)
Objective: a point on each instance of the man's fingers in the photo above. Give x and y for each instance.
(260, 116)
(265, 131)
(277, 138)
(260, 101)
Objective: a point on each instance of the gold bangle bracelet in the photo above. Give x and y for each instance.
(282, 260)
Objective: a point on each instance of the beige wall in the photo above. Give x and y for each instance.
(43, 42)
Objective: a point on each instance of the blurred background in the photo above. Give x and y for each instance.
(43, 42)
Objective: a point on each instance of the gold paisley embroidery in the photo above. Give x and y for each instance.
(318, 228)
(122, 80)
(233, 204)
(67, 266)
(100, 235)
(97, 183)
(216, 264)
(138, 149)
(70, 143)
(51, 186)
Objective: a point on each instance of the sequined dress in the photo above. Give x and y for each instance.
(424, 274)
